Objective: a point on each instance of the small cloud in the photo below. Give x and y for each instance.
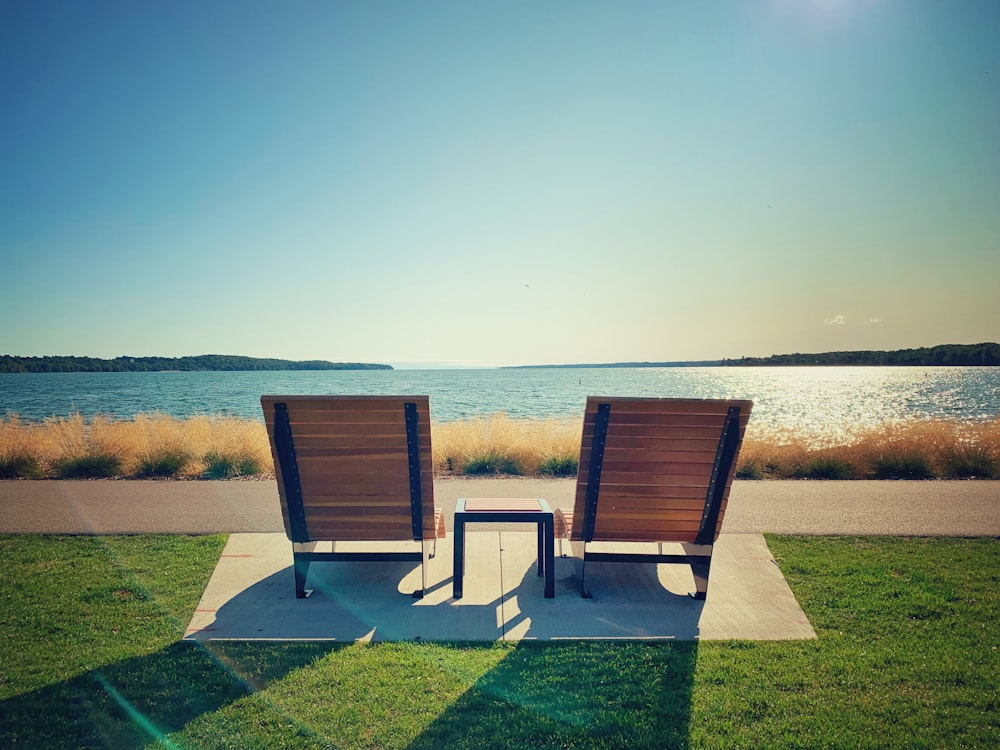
(875, 321)
(840, 320)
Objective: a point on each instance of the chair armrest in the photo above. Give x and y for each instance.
(562, 523)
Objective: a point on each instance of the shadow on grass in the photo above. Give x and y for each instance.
(579, 694)
(131, 703)
(539, 695)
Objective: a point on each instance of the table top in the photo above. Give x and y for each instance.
(503, 505)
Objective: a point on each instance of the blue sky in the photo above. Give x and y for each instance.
(476, 183)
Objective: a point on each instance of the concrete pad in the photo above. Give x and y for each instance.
(251, 597)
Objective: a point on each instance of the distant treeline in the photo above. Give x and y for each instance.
(205, 362)
(973, 355)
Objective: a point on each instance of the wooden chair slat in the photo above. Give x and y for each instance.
(682, 432)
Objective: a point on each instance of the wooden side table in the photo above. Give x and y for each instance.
(506, 510)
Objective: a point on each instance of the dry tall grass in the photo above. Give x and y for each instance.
(499, 444)
(147, 445)
(907, 450)
(150, 445)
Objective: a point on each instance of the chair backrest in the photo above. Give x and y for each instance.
(352, 468)
(657, 469)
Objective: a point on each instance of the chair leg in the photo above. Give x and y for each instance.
(301, 568)
(578, 553)
(419, 593)
(700, 572)
(439, 530)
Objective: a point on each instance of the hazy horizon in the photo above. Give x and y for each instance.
(459, 184)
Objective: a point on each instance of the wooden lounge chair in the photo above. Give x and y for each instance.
(653, 470)
(353, 469)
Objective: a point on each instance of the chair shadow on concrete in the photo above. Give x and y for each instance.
(568, 694)
(133, 702)
(352, 602)
(634, 602)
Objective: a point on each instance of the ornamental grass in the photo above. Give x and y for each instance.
(145, 446)
(223, 447)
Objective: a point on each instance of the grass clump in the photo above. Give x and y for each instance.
(826, 467)
(19, 466)
(559, 466)
(19, 457)
(902, 466)
(230, 465)
(163, 463)
(971, 462)
(749, 469)
(491, 463)
(88, 466)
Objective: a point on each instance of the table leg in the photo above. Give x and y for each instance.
(550, 563)
(541, 548)
(458, 568)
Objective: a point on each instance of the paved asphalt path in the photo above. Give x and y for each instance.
(920, 508)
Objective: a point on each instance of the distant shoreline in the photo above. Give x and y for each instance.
(944, 355)
(707, 363)
(200, 363)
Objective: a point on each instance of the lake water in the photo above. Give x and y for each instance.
(816, 400)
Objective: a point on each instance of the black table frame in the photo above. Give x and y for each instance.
(546, 539)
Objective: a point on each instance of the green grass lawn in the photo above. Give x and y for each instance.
(906, 657)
